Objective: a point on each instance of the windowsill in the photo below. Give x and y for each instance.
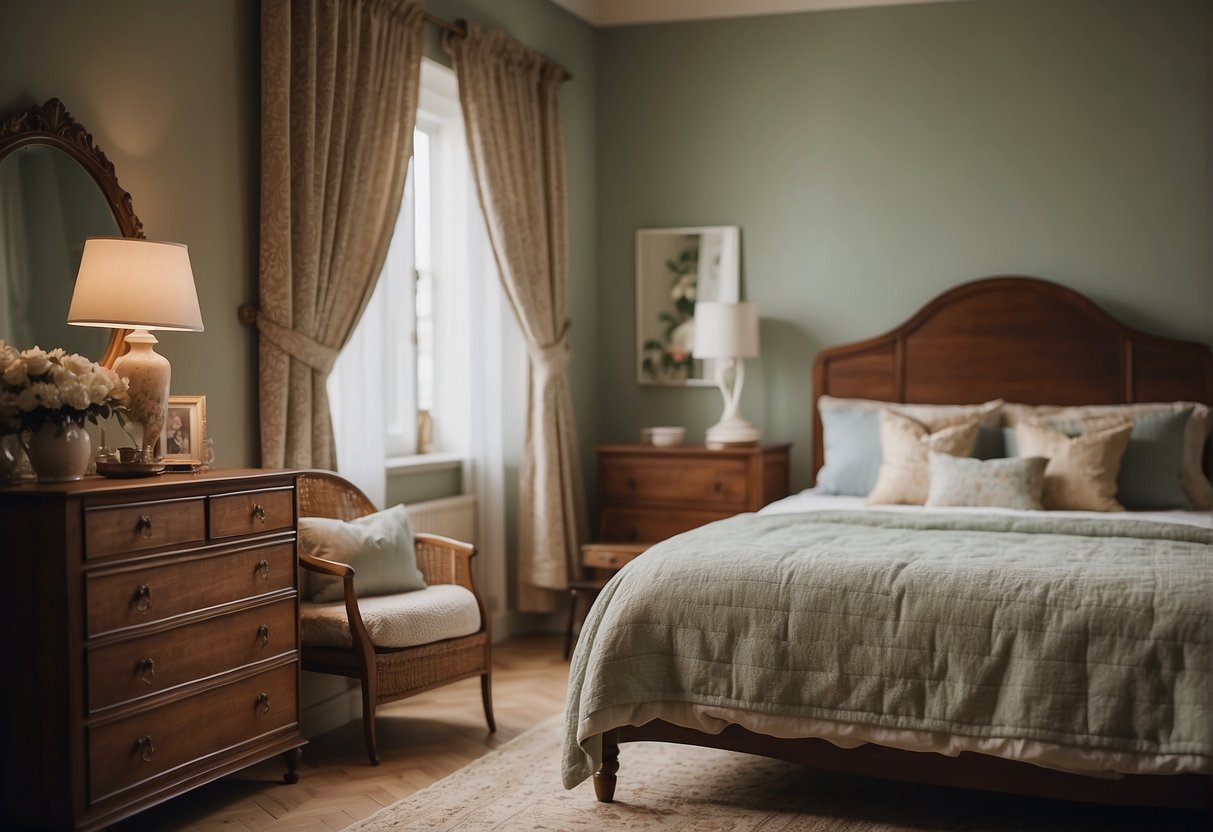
(424, 463)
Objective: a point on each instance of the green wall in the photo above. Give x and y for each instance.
(875, 157)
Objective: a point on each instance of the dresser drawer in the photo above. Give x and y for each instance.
(610, 555)
(641, 525)
(252, 512)
(139, 667)
(703, 481)
(132, 750)
(130, 597)
(130, 528)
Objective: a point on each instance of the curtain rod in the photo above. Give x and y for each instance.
(457, 28)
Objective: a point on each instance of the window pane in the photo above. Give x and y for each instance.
(425, 340)
(424, 199)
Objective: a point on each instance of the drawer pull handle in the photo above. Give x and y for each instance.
(143, 526)
(147, 671)
(146, 748)
(263, 634)
(263, 703)
(263, 567)
(259, 512)
(143, 598)
(718, 486)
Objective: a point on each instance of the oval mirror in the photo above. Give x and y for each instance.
(57, 188)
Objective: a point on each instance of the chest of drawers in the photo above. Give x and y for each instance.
(152, 640)
(647, 493)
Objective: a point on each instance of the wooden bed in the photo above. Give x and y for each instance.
(1024, 340)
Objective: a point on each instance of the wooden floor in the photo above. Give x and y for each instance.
(421, 740)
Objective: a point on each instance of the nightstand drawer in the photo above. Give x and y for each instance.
(641, 524)
(704, 481)
(252, 512)
(610, 555)
(138, 748)
(144, 666)
(129, 597)
(131, 528)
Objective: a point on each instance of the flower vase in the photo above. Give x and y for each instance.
(59, 453)
(10, 458)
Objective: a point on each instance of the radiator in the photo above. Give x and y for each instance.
(450, 516)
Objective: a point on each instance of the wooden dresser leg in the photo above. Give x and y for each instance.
(604, 778)
(292, 758)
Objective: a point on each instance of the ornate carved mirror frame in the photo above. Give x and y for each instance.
(51, 124)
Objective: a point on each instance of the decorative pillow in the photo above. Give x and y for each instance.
(1082, 470)
(1152, 472)
(1001, 483)
(851, 437)
(905, 444)
(378, 546)
(1197, 487)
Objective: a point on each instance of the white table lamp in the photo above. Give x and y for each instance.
(140, 285)
(728, 333)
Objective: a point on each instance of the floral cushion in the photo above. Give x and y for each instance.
(1002, 483)
(905, 444)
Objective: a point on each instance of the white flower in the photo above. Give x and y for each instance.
(8, 354)
(77, 364)
(684, 287)
(681, 340)
(16, 374)
(27, 400)
(98, 384)
(36, 361)
(73, 394)
(48, 395)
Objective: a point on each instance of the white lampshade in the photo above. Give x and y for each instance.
(126, 283)
(725, 330)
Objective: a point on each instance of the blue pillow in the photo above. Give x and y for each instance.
(851, 437)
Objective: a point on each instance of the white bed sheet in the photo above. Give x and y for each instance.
(813, 500)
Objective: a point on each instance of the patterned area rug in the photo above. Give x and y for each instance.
(670, 787)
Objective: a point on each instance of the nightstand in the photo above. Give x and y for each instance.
(602, 560)
(647, 493)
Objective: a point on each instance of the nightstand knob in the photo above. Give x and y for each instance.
(147, 671)
(143, 598)
(259, 512)
(143, 526)
(718, 486)
(263, 634)
(263, 703)
(146, 748)
(263, 568)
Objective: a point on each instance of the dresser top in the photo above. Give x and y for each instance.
(105, 485)
(689, 450)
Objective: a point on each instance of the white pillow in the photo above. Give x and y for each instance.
(905, 444)
(379, 547)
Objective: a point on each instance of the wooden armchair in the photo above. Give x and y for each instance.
(391, 673)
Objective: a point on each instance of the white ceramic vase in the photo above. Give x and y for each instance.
(10, 457)
(59, 454)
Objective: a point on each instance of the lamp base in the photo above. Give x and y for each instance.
(735, 431)
(147, 375)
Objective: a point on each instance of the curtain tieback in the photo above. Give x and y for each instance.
(552, 359)
(297, 345)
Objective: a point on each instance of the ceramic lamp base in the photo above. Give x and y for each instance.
(147, 375)
(735, 431)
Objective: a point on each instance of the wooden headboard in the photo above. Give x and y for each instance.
(1021, 339)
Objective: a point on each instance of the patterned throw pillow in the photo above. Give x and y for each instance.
(989, 483)
(1082, 470)
(905, 444)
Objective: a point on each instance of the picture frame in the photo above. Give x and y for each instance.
(183, 441)
(675, 267)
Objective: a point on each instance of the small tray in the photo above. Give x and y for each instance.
(126, 470)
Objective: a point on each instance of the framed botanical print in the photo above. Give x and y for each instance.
(675, 267)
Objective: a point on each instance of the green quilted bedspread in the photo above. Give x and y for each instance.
(1088, 633)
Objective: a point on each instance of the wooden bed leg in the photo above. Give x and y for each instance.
(604, 778)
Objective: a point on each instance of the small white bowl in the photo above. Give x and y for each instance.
(663, 437)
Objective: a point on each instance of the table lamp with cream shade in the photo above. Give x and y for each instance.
(127, 283)
(728, 333)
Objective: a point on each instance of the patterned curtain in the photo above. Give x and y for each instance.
(339, 86)
(510, 97)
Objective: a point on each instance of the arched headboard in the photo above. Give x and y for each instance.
(1021, 339)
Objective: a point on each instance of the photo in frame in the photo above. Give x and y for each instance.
(184, 439)
(675, 267)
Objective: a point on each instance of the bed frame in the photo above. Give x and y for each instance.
(1020, 339)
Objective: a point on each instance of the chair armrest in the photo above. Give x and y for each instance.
(445, 561)
(326, 567)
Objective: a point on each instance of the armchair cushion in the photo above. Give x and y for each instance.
(378, 546)
(403, 620)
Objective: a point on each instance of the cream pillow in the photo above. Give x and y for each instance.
(1016, 482)
(905, 446)
(1081, 474)
(379, 546)
(1196, 435)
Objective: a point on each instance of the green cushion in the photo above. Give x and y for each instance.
(378, 546)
